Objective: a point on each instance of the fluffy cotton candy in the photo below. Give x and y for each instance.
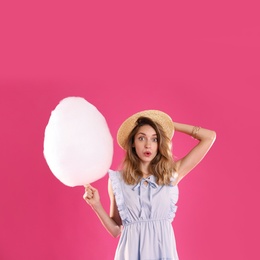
(78, 146)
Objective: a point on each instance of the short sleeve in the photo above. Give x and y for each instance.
(174, 196)
(116, 182)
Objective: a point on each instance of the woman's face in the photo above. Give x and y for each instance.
(146, 144)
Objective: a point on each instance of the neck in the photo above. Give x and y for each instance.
(144, 169)
(145, 175)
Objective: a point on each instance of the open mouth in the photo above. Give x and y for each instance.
(147, 154)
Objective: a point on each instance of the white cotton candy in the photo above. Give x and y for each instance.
(78, 146)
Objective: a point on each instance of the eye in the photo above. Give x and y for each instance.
(140, 138)
(155, 139)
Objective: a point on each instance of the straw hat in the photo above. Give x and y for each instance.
(155, 115)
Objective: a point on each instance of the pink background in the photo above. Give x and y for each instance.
(199, 61)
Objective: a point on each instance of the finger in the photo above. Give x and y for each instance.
(89, 187)
(90, 192)
(86, 197)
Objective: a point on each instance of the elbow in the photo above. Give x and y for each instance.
(213, 135)
(116, 235)
(209, 137)
(117, 232)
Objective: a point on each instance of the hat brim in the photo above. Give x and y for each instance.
(155, 115)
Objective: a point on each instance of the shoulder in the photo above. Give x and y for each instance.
(115, 180)
(114, 174)
(174, 179)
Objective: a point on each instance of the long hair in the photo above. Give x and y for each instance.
(162, 166)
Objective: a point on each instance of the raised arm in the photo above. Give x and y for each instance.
(112, 223)
(205, 137)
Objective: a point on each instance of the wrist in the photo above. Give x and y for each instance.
(195, 131)
(96, 206)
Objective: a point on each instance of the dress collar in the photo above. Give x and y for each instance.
(151, 181)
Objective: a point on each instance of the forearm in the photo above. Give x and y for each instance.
(111, 226)
(198, 133)
(195, 155)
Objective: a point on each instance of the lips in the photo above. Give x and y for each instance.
(147, 154)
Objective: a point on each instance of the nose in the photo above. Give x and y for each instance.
(147, 144)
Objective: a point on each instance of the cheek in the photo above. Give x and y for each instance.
(137, 148)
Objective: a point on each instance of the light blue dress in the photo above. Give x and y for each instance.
(147, 211)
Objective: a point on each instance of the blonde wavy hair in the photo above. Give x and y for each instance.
(162, 166)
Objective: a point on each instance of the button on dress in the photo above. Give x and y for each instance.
(147, 211)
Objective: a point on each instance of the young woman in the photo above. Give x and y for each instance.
(144, 192)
